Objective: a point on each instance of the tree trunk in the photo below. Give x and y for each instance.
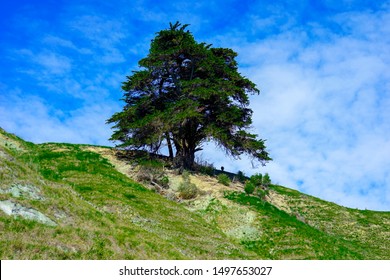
(185, 157)
(169, 143)
(185, 144)
(188, 159)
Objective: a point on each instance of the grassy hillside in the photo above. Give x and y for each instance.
(62, 201)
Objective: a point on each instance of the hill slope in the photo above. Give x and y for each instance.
(62, 201)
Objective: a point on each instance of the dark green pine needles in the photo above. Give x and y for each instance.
(185, 94)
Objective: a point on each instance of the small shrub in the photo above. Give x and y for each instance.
(149, 174)
(266, 180)
(164, 181)
(187, 190)
(249, 188)
(144, 174)
(204, 167)
(257, 179)
(261, 184)
(207, 170)
(241, 176)
(224, 179)
(261, 192)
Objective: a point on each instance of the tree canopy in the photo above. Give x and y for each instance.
(185, 94)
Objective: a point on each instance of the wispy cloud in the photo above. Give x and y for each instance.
(39, 122)
(56, 42)
(324, 108)
(53, 63)
(103, 34)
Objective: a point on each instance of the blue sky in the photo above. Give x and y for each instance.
(322, 68)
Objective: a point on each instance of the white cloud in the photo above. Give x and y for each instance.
(58, 42)
(45, 62)
(53, 63)
(37, 121)
(102, 33)
(324, 108)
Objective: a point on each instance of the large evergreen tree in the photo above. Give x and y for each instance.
(185, 94)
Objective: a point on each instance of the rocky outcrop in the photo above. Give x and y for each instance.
(15, 209)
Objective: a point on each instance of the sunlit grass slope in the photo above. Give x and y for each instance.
(99, 212)
(63, 201)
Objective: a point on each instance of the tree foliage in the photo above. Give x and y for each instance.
(185, 94)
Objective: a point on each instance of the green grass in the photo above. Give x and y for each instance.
(367, 229)
(283, 236)
(103, 214)
(224, 179)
